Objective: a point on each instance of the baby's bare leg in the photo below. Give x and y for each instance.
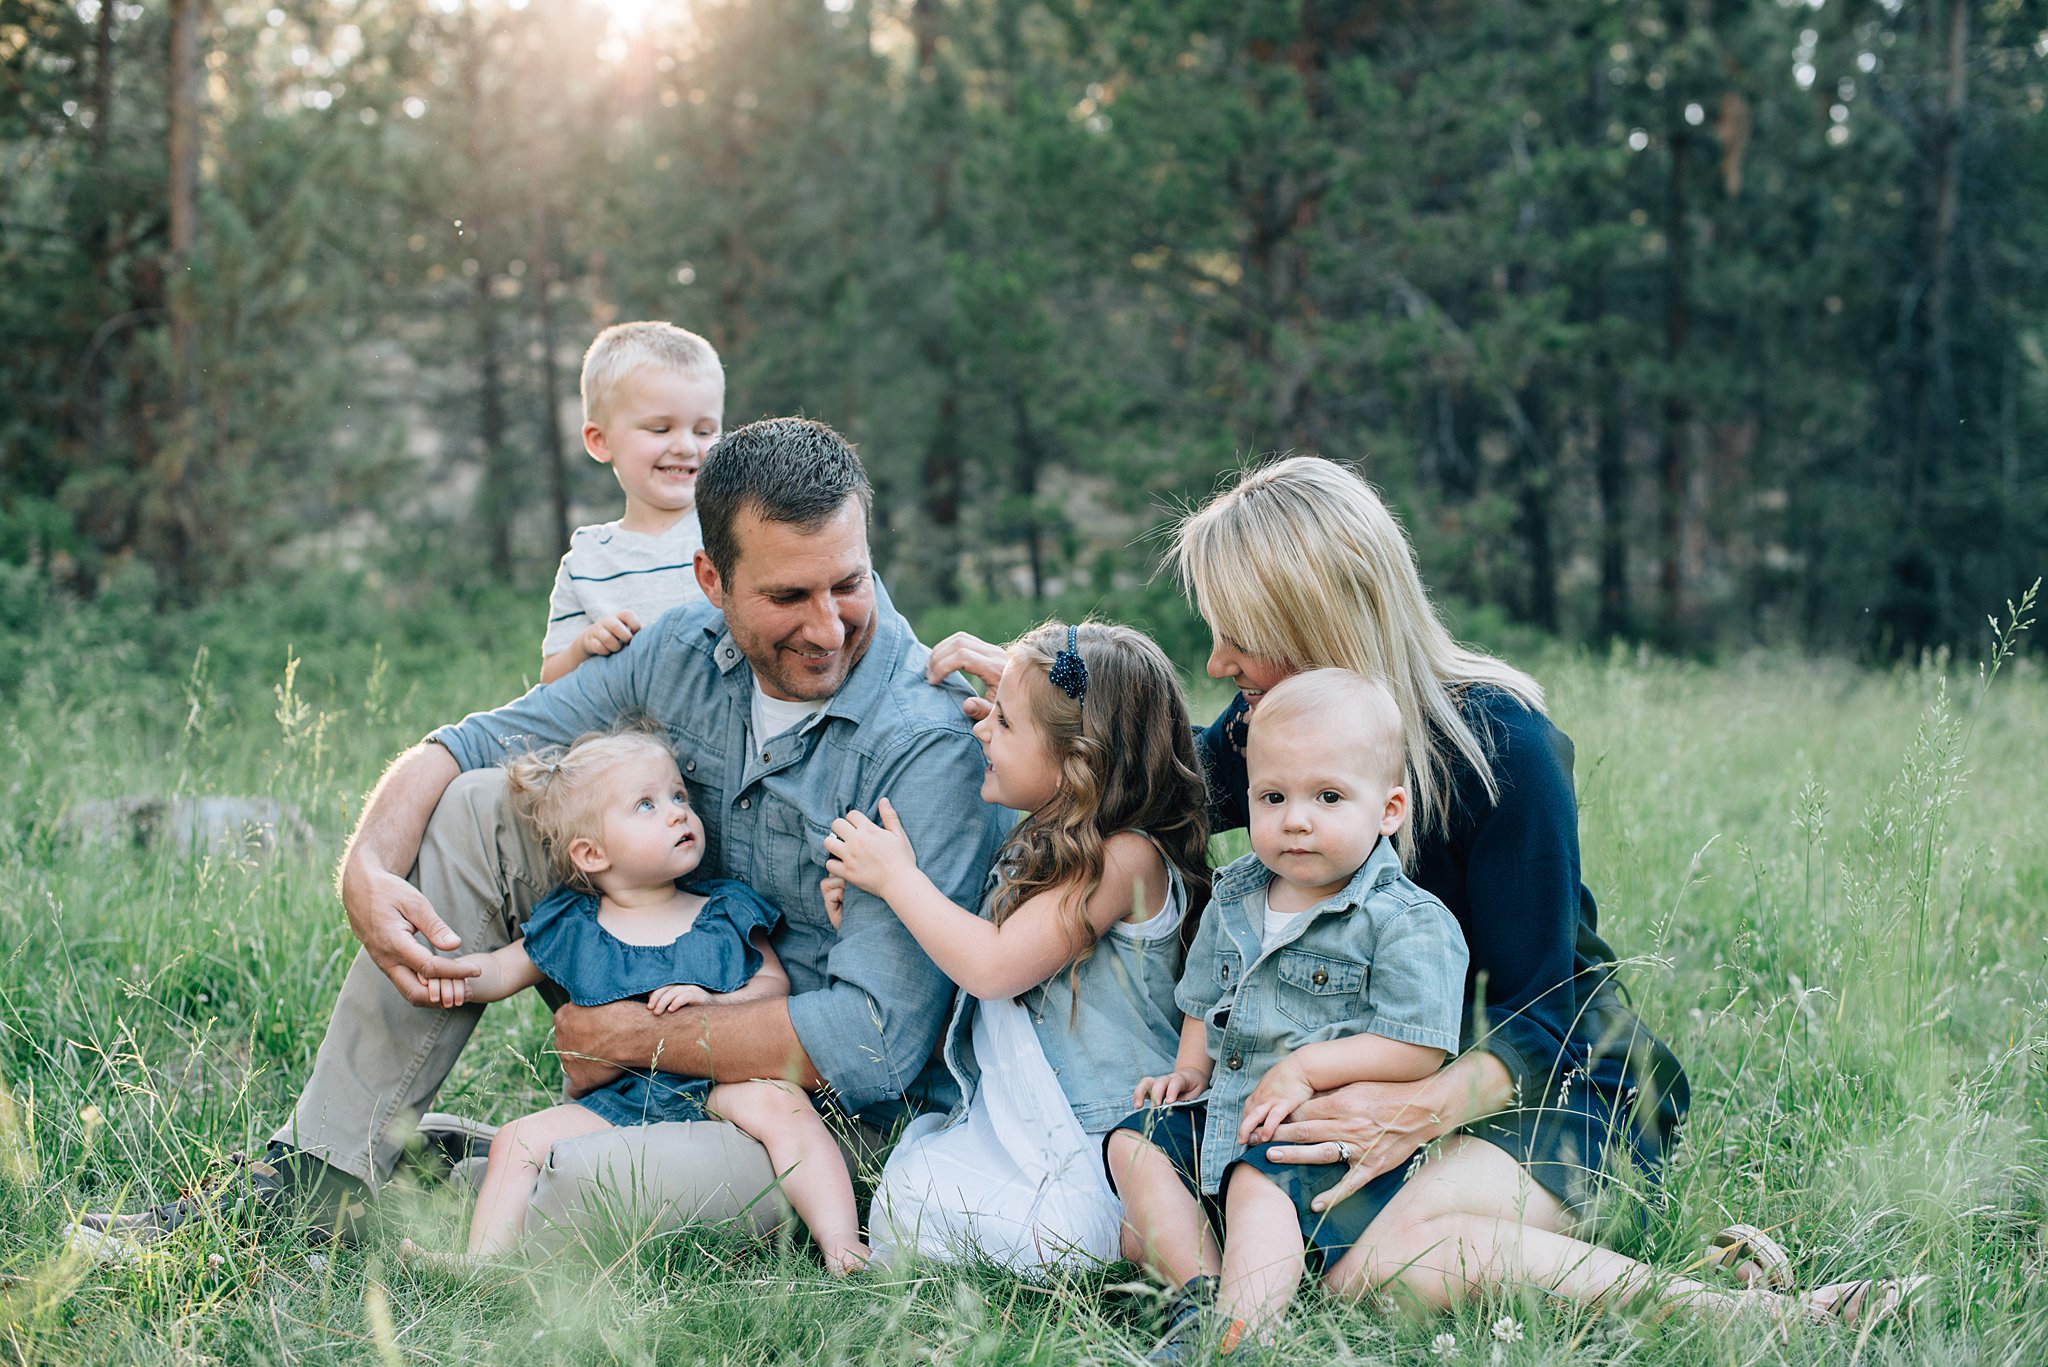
(806, 1158)
(1164, 1227)
(518, 1152)
(1261, 1252)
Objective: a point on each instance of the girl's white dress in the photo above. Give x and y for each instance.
(1017, 1182)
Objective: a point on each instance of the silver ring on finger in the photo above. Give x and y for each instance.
(1343, 1153)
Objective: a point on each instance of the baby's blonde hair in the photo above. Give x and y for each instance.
(1342, 707)
(624, 348)
(559, 792)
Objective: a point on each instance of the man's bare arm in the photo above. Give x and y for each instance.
(723, 1041)
(384, 910)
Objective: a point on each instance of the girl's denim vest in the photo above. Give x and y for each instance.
(1102, 1026)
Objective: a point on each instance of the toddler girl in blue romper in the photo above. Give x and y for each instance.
(615, 820)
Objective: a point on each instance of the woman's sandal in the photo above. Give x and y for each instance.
(1738, 1246)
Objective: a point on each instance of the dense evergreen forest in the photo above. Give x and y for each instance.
(1702, 322)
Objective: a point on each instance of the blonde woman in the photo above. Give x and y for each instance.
(1301, 566)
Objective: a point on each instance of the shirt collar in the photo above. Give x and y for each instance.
(864, 688)
(1381, 866)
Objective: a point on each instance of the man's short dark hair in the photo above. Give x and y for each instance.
(789, 470)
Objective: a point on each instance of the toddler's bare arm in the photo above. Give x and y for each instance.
(1325, 1066)
(500, 973)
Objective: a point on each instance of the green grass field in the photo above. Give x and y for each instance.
(1835, 884)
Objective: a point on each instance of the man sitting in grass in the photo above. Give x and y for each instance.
(795, 693)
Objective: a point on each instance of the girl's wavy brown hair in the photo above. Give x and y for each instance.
(1126, 760)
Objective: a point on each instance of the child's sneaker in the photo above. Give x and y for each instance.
(1187, 1313)
(454, 1148)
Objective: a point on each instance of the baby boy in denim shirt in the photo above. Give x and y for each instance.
(1317, 964)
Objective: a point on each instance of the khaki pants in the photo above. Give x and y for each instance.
(383, 1059)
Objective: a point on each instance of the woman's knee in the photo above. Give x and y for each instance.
(1416, 1255)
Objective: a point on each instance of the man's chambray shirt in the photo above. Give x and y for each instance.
(866, 1002)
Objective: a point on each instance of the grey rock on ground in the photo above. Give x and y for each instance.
(189, 825)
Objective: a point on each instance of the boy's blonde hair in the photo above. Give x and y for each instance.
(560, 792)
(1344, 707)
(1301, 563)
(624, 348)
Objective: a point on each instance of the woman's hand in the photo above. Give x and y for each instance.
(967, 653)
(871, 857)
(1374, 1126)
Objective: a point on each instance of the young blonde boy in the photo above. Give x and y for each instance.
(1317, 964)
(653, 403)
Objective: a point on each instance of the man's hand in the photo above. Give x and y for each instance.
(453, 992)
(609, 635)
(386, 913)
(1281, 1090)
(580, 1040)
(1182, 1084)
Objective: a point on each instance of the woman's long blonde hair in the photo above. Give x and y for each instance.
(1301, 562)
(1126, 760)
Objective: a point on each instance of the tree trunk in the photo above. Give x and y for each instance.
(1611, 470)
(940, 472)
(1610, 427)
(102, 82)
(1532, 517)
(940, 476)
(543, 271)
(1933, 379)
(1031, 458)
(180, 524)
(1907, 618)
(494, 495)
(1676, 411)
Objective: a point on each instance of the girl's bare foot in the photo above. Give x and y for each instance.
(454, 1264)
(845, 1259)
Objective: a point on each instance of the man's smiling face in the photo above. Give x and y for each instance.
(800, 603)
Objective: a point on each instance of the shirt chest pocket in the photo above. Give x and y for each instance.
(1317, 991)
(789, 859)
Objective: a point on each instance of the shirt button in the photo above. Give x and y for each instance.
(745, 803)
(1319, 977)
(691, 767)
(1226, 972)
(1234, 1062)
